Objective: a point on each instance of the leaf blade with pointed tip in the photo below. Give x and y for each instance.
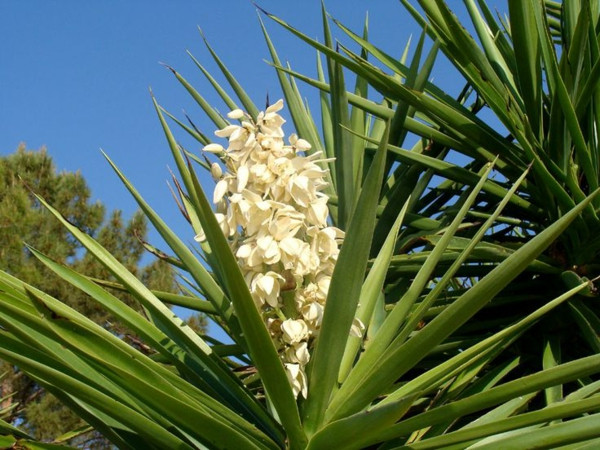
(344, 293)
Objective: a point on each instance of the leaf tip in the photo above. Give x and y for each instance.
(261, 9)
(168, 67)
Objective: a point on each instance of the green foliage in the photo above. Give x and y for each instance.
(47, 416)
(476, 282)
(23, 219)
(26, 170)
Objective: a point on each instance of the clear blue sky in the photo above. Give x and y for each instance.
(74, 76)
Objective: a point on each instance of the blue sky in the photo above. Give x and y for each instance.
(74, 77)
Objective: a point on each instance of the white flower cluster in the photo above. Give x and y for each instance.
(271, 206)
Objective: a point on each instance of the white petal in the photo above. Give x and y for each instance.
(267, 284)
(242, 176)
(227, 130)
(297, 379)
(236, 134)
(290, 245)
(236, 198)
(236, 114)
(294, 331)
(264, 242)
(272, 254)
(323, 284)
(317, 213)
(250, 141)
(304, 385)
(302, 354)
(255, 258)
(293, 370)
(213, 148)
(266, 143)
(244, 251)
(303, 145)
(220, 191)
(357, 328)
(263, 205)
(277, 106)
(222, 219)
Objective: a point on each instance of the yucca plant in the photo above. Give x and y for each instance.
(458, 311)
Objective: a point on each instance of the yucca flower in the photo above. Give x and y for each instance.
(271, 206)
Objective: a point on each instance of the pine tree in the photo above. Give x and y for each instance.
(23, 219)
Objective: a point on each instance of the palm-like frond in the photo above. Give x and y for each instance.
(472, 279)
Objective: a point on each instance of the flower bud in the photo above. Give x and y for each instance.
(213, 148)
(236, 114)
(302, 145)
(216, 171)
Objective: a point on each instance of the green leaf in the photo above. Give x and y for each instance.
(456, 173)
(398, 361)
(186, 301)
(376, 348)
(527, 59)
(499, 394)
(222, 93)
(553, 436)
(541, 417)
(343, 296)
(256, 335)
(434, 377)
(210, 111)
(302, 119)
(192, 131)
(361, 429)
(358, 119)
(170, 324)
(148, 382)
(127, 416)
(248, 104)
(370, 292)
(589, 323)
(551, 357)
(211, 289)
(215, 379)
